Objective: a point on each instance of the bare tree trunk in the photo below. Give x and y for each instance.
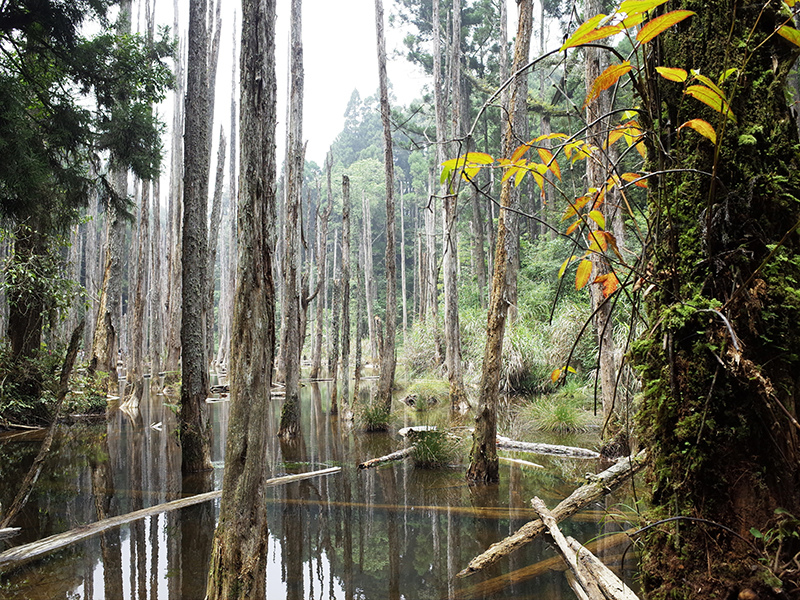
(597, 171)
(369, 280)
(155, 344)
(403, 288)
(322, 257)
(388, 358)
(138, 322)
(360, 302)
(213, 237)
(452, 332)
(483, 466)
(238, 559)
(290, 415)
(194, 429)
(345, 365)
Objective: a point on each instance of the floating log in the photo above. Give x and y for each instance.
(611, 585)
(374, 462)
(588, 585)
(504, 443)
(15, 556)
(600, 485)
(8, 532)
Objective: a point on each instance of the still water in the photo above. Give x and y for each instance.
(393, 532)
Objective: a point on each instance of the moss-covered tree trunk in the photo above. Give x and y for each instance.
(721, 360)
(238, 559)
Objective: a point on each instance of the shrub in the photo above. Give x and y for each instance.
(372, 417)
(434, 449)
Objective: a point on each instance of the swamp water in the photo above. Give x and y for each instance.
(392, 532)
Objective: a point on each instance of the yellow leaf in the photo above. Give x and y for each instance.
(632, 21)
(587, 33)
(727, 74)
(555, 375)
(520, 152)
(573, 227)
(598, 218)
(519, 177)
(480, 158)
(641, 149)
(790, 33)
(660, 24)
(672, 74)
(470, 172)
(564, 266)
(635, 178)
(711, 98)
(610, 283)
(550, 136)
(631, 7)
(790, 3)
(582, 276)
(547, 158)
(606, 79)
(613, 136)
(575, 207)
(599, 241)
(702, 127)
(706, 81)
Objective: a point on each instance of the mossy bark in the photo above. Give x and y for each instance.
(720, 361)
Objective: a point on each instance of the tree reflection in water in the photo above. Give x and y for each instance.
(395, 532)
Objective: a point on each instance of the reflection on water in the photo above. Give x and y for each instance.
(395, 532)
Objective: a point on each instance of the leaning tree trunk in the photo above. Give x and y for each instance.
(720, 363)
(194, 429)
(238, 559)
(484, 465)
(388, 358)
(290, 415)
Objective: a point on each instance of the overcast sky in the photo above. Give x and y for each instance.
(339, 50)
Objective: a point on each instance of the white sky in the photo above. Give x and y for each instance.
(339, 50)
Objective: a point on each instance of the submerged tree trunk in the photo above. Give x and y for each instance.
(720, 366)
(238, 559)
(194, 428)
(388, 358)
(292, 342)
(484, 467)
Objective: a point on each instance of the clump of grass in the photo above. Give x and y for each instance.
(427, 392)
(562, 412)
(434, 449)
(372, 417)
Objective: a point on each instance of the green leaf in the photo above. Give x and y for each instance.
(631, 7)
(756, 533)
(672, 74)
(598, 218)
(789, 33)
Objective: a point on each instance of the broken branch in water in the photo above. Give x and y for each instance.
(20, 554)
(600, 485)
(504, 443)
(374, 462)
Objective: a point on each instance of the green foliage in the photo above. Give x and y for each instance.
(565, 411)
(434, 449)
(429, 392)
(372, 417)
(87, 393)
(28, 386)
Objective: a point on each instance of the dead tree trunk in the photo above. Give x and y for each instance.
(213, 238)
(194, 428)
(322, 258)
(290, 415)
(369, 280)
(483, 466)
(238, 559)
(388, 358)
(345, 363)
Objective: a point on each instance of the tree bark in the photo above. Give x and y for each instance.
(290, 414)
(369, 280)
(322, 259)
(720, 375)
(213, 239)
(484, 466)
(388, 358)
(345, 364)
(238, 559)
(194, 428)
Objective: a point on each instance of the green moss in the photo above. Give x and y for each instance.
(747, 140)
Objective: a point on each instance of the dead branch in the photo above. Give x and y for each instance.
(600, 485)
(374, 462)
(20, 554)
(587, 584)
(26, 487)
(611, 585)
(504, 443)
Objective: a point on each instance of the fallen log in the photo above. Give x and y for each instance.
(611, 585)
(587, 584)
(374, 462)
(504, 443)
(20, 554)
(8, 532)
(600, 485)
(522, 463)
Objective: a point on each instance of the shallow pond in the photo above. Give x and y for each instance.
(391, 532)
